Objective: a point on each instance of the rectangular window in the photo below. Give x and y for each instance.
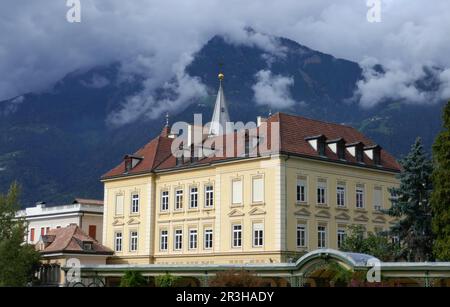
(359, 196)
(164, 240)
(178, 243)
(321, 192)
(340, 194)
(42, 231)
(377, 198)
(301, 235)
(165, 200)
(208, 238)
(193, 238)
(133, 241)
(135, 203)
(47, 230)
(237, 192)
(341, 237)
(178, 199)
(118, 242)
(301, 190)
(193, 198)
(92, 231)
(119, 204)
(32, 235)
(209, 196)
(321, 237)
(237, 235)
(258, 235)
(258, 190)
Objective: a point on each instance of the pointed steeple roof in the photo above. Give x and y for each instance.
(220, 116)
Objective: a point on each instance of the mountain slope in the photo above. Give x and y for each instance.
(57, 144)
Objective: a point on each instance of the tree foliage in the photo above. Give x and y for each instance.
(133, 279)
(377, 245)
(440, 199)
(166, 281)
(411, 205)
(18, 261)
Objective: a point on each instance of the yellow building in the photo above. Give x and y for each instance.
(294, 187)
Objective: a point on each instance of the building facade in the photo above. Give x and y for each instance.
(86, 213)
(296, 186)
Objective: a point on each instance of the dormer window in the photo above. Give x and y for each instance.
(357, 151)
(338, 147)
(374, 153)
(131, 161)
(88, 246)
(318, 143)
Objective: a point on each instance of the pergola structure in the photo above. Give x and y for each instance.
(313, 269)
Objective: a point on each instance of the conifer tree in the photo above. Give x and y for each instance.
(411, 205)
(440, 199)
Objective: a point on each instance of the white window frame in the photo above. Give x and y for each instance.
(178, 239)
(340, 195)
(164, 240)
(134, 239)
(258, 235)
(118, 241)
(209, 237)
(209, 196)
(164, 201)
(301, 195)
(193, 197)
(322, 236)
(236, 235)
(179, 199)
(193, 238)
(321, 192)
(135, 203)
(341, 235)
(301, 228)
(360, 195)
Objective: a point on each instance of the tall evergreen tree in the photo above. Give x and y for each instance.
(17, 260)
(411, 205)
(440, 199)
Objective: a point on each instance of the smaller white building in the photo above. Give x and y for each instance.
(86, 213)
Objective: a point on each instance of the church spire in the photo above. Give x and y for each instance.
(220, 116)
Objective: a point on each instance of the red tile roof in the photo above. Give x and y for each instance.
(294, 130)
(70, 240)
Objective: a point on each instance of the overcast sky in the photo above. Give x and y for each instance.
(157, 38)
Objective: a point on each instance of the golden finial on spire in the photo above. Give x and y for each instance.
(221, 75)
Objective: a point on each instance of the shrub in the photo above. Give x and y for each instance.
(235, 278)
(133, 279)
(165, 281)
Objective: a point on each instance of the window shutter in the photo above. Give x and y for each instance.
(258, 190)
(119, 204)
(237, 192)
(377, 197)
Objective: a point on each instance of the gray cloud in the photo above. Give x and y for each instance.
(38, 46)
(273, 90)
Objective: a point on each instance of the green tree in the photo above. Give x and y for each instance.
(377, 245)
(165, 281)
(440, 198)
(18, 261)
(133, 279)
(411, 205)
